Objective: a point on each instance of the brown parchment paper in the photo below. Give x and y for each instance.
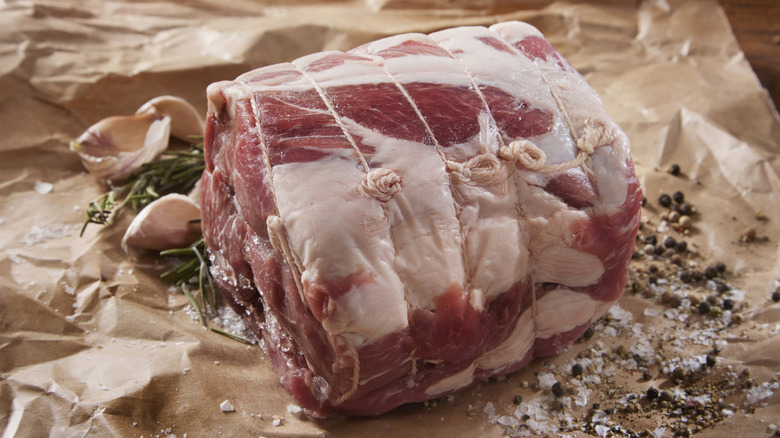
(92, 344)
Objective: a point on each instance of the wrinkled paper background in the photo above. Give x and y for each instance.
(92, 344)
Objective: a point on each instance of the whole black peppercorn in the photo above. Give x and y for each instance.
(659, 250)
(776, 296)
(651, 239)
(669, 242)
(652, 280)
(686, 209)
(710, 272)
(686, 276)
(651, 393)
(557, 389)
(721, 267)
(665, 200)
(577, 370)
(518, 399)
(704, 307)
(589, 333)
(723, 288)
(711, 361)
(728, 304)
(678, 197)
(682, 246)
(674, 169)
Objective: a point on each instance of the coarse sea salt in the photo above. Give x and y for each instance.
(43, 187)
(760, 392)
(40, 234)
(225, 406)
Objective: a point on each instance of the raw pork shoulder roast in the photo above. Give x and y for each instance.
(405, 219)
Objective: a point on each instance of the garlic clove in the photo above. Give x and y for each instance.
(166, 223)
(195, 193)
(116, 146)
(185, 119)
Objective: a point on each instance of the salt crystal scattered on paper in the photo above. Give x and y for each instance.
(294, 409)
(760, 392)
(547, 380)
(41, 234)
(659, 432)
(652, 313)
(43, 187)
(490, 411)
(225, 406)
(621, 315)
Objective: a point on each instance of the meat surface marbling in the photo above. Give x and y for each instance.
(402, 220)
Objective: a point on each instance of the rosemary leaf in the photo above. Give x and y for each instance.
(232, 336)
(194, 304)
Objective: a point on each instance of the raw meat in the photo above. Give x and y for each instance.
(402, 220)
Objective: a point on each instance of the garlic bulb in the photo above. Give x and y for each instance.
(166, 223)
(185, 119)
(116, 146)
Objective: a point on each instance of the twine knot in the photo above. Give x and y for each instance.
(380, 184)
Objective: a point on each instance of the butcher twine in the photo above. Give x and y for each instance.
(381, 184)
(486, 168)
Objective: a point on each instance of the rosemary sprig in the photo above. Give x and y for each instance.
(175, 172)
(195, 264)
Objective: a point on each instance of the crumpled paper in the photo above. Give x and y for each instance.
(93, 344)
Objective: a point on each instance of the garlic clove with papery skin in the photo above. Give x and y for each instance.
(185, 119)
(166, 223)
(117, 146)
